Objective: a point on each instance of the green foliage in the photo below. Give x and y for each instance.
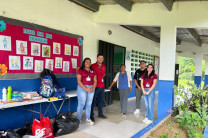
(164, 135)
(152, 133)
(187, 69)
(177, 135)
(175, 111)
(195, 117)
(193, 123)
(192, 97)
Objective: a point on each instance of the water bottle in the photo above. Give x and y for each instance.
(9, 93)
(4, 94)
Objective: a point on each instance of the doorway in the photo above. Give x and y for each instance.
(114, 56)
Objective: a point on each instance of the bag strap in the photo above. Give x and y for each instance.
(41, 116)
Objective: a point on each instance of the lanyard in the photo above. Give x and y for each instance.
(88, 72)
(100, 68)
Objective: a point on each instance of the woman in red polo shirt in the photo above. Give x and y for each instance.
(87, 81)
(148, 83)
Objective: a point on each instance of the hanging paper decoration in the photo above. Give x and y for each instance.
(3, 69)
(2, 26)
(80, 41)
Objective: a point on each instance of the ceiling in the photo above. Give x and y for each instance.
(197, 36)
(109, 2)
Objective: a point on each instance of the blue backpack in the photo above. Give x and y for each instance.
(47, 88)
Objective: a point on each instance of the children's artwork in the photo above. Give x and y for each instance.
(49, 64)
(38, 65)
(21, 47)
(35, 49)
(14, 62)
(56, 48)
(74, 63)
(75, 51)
(67, 49)
(65, 66)
(58, 62)
(5, 43)
(46, 51)
(28, 63)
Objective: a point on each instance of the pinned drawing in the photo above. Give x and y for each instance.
(58, 62)
(38, 65)
(28, 63)
(67, 50)
(21, 47)
(49, 64)
(35, 49)
(46, 51)
(74, 63)
(65, 66)
(56, 48)
(5, 43)
(75, 51)
(14, 63)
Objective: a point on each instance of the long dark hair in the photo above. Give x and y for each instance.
(83, 63)
(146, 72)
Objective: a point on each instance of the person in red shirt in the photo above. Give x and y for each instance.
(100, 70)
(87, 81)
(148, 83)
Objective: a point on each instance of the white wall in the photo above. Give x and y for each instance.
(69, 17)
(183, 14)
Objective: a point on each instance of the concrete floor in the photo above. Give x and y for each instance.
(115, 126)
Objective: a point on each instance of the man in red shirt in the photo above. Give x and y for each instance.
(100, 70)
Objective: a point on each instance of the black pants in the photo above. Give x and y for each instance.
(98, 99)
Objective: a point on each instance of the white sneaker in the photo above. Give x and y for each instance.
(145, 119)
(137, 111)
(148, 122)
(89, 121)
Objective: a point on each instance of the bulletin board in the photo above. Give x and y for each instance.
(27, 48)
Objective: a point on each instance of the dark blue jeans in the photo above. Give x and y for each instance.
(98, 100)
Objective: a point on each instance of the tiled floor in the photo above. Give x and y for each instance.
(115, 126)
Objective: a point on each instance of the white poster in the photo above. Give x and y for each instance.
(58, 62)
(28, 63)
(38, 65)
(14, 63)
(56, 48)
(75, 51)
(67, 50)
(5, 43)
(65, 66)
(35, 49)
(74, 63)
(21, 47)
(49, 64)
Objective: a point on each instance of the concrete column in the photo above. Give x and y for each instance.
(198, 69)
(206, 73)
(167, 68)
(176, 58)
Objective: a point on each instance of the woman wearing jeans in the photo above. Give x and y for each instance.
(87, 81)
(124, 85)
(148, 83)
